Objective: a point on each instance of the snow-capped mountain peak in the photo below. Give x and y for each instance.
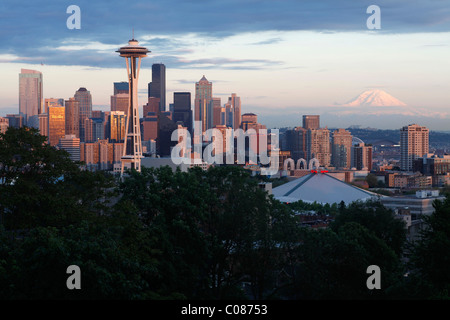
(374, 98)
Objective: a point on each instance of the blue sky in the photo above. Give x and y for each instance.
(284, 58)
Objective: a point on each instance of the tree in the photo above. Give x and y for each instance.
(376, 218)
(42, 186)
(430, 255)
(372, 180)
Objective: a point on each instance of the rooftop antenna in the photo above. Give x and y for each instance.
(133, 33)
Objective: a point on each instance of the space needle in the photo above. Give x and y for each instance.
(132, 148)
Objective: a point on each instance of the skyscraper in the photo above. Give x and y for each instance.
(132, 151)
(182, 111)
(414, 143)
(43, 124)
(119, 102)
(218, 113)
(157, 88)
(311, 122)
(72, 117)
(203, 97)
(341, 152)
(4, 124)
(121, 87)
(235, 103)
(117, 126)
(30, 96)
(362, 156)
(56, 124)
(51, 102)
(151, 106)
(71, 144)
(84, 99)
(296, 143)
(318, 146)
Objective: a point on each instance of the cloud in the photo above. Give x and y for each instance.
(38, 28)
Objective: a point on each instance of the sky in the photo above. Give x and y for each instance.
(284, 58)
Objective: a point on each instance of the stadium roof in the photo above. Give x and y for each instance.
(321, 188)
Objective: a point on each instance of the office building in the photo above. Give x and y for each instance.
(362, 157)
(235, 102)
(72, 117)
(30, 96)
(71, 144)
(203, 97)
(121, 87)
(166, 126)
(117, 124)
(119, 102)
(150, 127)
(43, 124)
(157, 88)
(151, 106)
(15, 120)
(311, 122)
(182, 110)
(52, 102)
(318, 146)
(341, 152)
(4, 124)
(414, 143)
(84, 99)
(296, 143)
(56, 124)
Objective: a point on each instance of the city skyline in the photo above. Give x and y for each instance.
(313, 63)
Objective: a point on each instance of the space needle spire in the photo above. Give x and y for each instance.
(132, 149)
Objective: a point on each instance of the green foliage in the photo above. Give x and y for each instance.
(372, 180)
(430, 255)
(376, 218)
(160, 234)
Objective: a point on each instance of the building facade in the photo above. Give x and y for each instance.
(414, 143)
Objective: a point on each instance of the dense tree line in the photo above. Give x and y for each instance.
(212, 234)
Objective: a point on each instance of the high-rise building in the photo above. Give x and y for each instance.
(182, 110)
(15, 120)
(132, 150)
(121, 87)
(117, 126)
(151, 106)
(218, 112)
(119, 102)
(56, 124)
(229, 117)
(43, 124)
(166, 126)
(157, 88)
(52, 102)
(296, 143)
(414, 143)
(150, 127)
(30, 96)
(235, 103)
(71, 144)
(362, 157)
(341, 151)
(318, 146)
(4, 124)
(311, 122)
(203, 97)
(72, 117)
(94, 129)
(84, 99)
